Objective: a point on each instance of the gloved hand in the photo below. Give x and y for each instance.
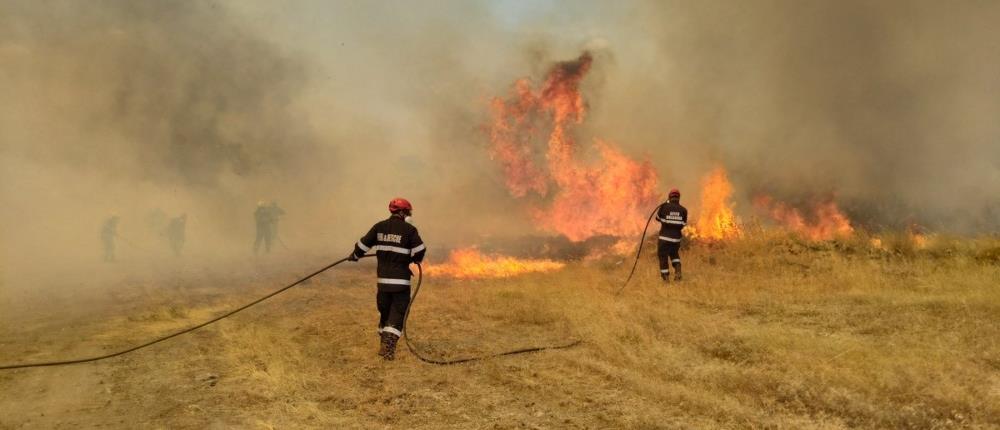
(352, 257)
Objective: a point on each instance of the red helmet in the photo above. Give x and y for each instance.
(674, 192)
(399, 204)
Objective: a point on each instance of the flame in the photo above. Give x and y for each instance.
(918, 236)
(621, 248)
(469, 263)
(607, 196)
(827, 221)
(716, 220)
(510, 135)
(919, 241)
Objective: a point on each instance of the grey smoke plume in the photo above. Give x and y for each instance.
(136, 107)
(333, 108)
(890, 106)
(177, 93)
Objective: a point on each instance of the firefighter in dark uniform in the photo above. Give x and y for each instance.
(175, 233)
(109, 231)
(274, 213)
(267, 216)
(672, 217)
(396, 244)
(260, 217)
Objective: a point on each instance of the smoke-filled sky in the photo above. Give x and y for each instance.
(332, 108)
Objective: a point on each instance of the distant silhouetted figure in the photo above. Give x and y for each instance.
(175, 233)
(266, 216)
(275, 213)
(260, 217)
(109, 231)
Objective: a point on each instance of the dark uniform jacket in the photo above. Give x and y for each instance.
(260, 215)
(672, 217)
(396, 244)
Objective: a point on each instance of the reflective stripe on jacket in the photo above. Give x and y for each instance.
(672, 217)
(396, 244)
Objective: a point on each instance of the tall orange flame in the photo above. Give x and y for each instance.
(826, 222)
(469, 263)
(716, 219)
(511, 133)
(605, 197)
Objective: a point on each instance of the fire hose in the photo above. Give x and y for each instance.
(642, 240)
(409, 346)
(176, 333)
(421, 357)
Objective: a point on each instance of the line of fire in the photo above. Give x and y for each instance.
(593, 197)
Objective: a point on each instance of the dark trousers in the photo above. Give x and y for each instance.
(263, 236)
(109, 249)
(392, 310)
(670, 255)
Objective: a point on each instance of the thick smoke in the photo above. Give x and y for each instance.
(175, 91)
(148, 108)
(890, 107)
(140, 109)
(333, 108)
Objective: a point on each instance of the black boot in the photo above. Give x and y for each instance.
(390, 346)
(677, 272)
(383, 343)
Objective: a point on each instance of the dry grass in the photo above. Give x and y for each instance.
(768, 332)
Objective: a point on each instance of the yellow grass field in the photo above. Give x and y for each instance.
(768, 332)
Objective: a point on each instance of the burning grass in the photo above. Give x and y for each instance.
(716, 220)
(823, 221)
(469, 263)
(772, 330)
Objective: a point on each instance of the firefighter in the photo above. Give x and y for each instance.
(672, 217)
(109, 231)
(274, 212)
(175, 233)
(266, 216)
(396, 244)
(262, 218)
